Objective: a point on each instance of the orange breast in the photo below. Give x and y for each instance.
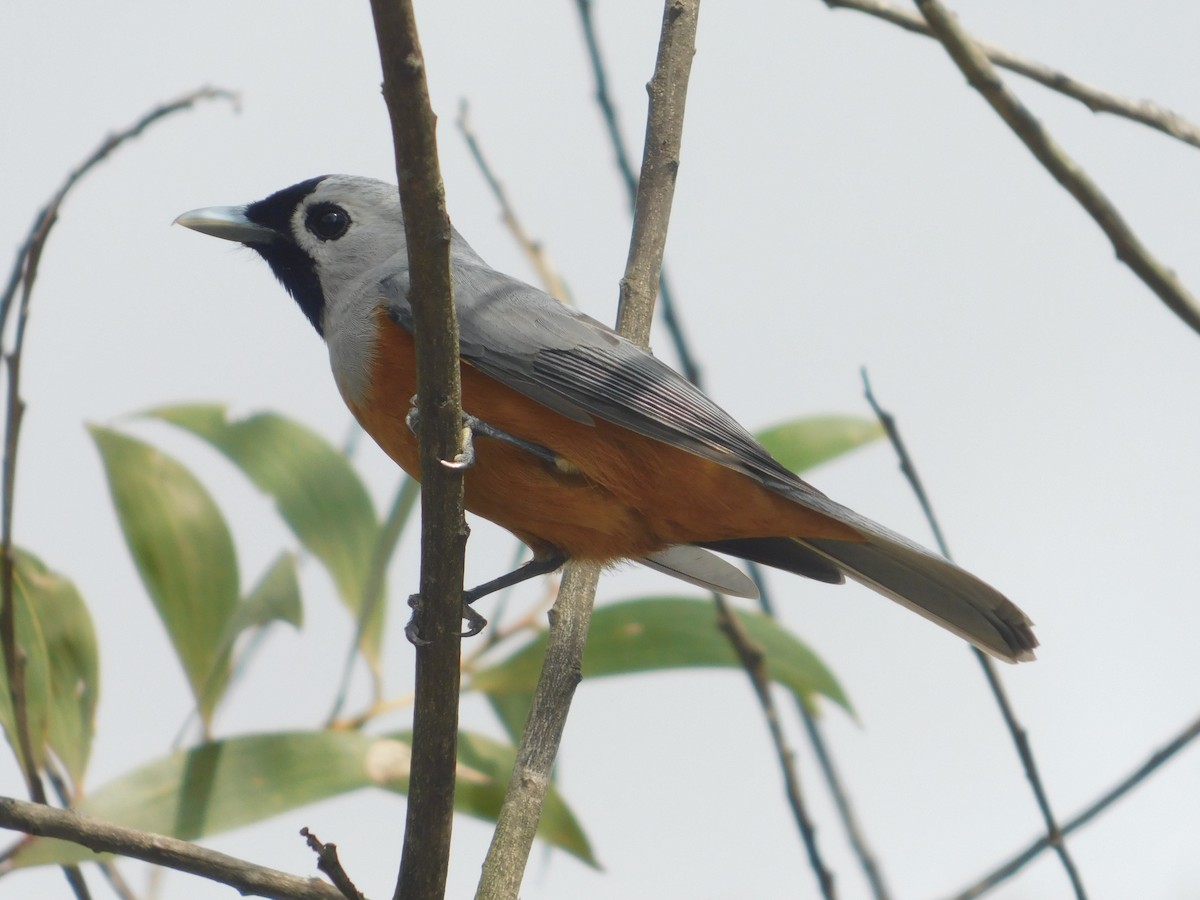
(617, 495)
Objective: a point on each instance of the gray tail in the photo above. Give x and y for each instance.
(926, 583)
(907, 573)
(934, 588)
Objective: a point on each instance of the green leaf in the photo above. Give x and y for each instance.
(802, 444)
(228, 784)
(276, 598)
(31, 650)
(74, 658)
(657, 633)
(316, 490)
(183, 552)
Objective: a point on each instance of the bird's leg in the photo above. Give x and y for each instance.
(476, 622)
(472, 426)
(535, 567)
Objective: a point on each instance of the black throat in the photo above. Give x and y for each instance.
(293, 267)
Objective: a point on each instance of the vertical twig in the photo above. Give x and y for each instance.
(14, 654)
(854, 833)
(508, 854)
(754, 662)
(660, 167)
(515, 828)
(426, 854)
(1019, 736)
(687, 362)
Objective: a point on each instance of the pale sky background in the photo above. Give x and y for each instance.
(844, 199)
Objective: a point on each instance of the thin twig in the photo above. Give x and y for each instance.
(508, 854)
(1111, 796)
(1143, 112)
(14, 655)
(49, 213)
(660, 167)
(438, 616)
(534, 251)
(329, 863)
(1019, 736)
(116, 881)
(833, 780)
(841, 799)
(607, 110)
(753, 660)
(982, 76)
(104, 837)
(687, 362)
(23, 276)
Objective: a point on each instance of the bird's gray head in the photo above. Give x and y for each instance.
(320, 237)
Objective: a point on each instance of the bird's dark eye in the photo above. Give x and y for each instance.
(327, 221)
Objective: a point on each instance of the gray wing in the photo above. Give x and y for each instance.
(583, 369)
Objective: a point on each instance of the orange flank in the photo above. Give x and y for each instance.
(613, 494)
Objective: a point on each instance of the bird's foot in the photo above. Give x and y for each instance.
(472, 426)
(475, 622)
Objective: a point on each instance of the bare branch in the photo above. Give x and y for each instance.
(104, 837)
(1142, 111)
(1123, 787)
(329, 863)
(982, 76)
(508, 854)
(509, 851)
(1019, 736)
(660, 167)
(443, 530)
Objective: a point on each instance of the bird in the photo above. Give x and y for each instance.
(585, 445)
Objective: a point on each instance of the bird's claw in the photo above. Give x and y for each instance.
(466, 458)
(472, 426)
(410, 629)
(462, 461)
(475, 622)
